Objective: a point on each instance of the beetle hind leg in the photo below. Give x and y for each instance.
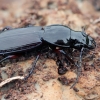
(32, 69)
(8, 57)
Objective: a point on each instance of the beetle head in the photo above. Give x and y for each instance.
(91, 44)
(89, 41)
(85, 41)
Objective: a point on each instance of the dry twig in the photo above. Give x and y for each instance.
(10, 79)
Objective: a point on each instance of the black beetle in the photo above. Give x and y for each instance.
(23, 39)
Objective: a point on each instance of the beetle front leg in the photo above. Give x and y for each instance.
(62, 70)
(80, 58)
(78, 68)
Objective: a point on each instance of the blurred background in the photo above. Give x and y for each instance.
(74, 13)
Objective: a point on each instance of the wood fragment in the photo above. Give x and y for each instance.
(10, 79)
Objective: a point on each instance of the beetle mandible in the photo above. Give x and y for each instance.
(13, 41)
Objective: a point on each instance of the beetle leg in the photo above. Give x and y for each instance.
(80, 58)
(78, 68)
(71, 52)
(63, 52)
(33, 67)
(8, 57)
(6, 28)
(61, 70)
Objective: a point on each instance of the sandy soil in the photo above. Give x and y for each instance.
(46, 83)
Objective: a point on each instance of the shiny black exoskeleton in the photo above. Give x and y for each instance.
(29, 38)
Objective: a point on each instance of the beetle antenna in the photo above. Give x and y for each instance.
(33, 67)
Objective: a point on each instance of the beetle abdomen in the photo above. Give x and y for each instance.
(20, 39)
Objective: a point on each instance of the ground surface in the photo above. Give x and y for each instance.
(44, 83)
